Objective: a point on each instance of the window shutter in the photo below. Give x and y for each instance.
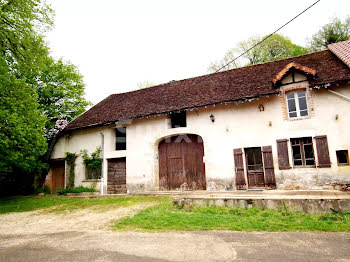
(322, 151)
(282, 152)
(268, 167)
(239, 168)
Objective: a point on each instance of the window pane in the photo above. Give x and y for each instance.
(120, 138)
(342, 156)
(296, 152)
(302, 103)
(291, 105)
(250, 157)
(258, 157)
(297, 162)
(293, 114)
(258, 167)
(307, 140)
(294, 141)
(304, 113)
(290, 96)
(254, 158)
(301, 94)
(309, 154)
(178, 119)
(310, 162)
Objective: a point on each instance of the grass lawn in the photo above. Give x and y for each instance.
(65, 204)
(166, 217)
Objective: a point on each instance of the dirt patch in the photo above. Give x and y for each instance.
(88, 219)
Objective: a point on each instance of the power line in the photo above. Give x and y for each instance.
(267, 36)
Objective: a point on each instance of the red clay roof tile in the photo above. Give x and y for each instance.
(341, 50)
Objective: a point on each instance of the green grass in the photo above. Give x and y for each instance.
(64, 204)
(166, 217)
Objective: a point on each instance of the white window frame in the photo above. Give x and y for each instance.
(297, 107)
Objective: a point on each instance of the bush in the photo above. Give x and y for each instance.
(79, 189)
(45, 189)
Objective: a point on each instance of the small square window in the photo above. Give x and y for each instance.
(342, 157)
(178, 119)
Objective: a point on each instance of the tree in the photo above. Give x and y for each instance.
(21, 132)
(59, 84)
(60, 89)
(333, 32)
(273, 48)
(32, 74)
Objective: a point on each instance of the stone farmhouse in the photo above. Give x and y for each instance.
(279, 125)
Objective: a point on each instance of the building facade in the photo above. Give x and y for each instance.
(279, 125)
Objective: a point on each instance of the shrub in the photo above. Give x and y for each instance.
(45, 189)
(79, 189)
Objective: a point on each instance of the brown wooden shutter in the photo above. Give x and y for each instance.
(282, 152)
(322, 151)
(268, 167)
(239, 168)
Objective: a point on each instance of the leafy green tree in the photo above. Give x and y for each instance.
(51, 89)
(273, 48)
(21, 130)
(333, 32)
(60, 89)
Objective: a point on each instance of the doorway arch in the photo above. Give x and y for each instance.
(181, 163)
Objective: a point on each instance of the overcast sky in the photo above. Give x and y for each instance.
(117, 44)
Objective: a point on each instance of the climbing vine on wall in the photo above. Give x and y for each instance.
(94, 162)
(70, 160)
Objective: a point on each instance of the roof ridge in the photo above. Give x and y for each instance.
(216, 73)
(234, 85)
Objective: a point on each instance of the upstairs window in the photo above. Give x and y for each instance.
(120, 138)
(178, 119)
(297, 104)
(303, 153)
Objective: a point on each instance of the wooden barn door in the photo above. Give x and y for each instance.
(116, 176)
(58, 171)
(181, 163)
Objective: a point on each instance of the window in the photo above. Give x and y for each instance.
(303, 153)
(342, 157)
(297, 104)
(120, 138)
(92, 173)
(178, 119)
(254, 158)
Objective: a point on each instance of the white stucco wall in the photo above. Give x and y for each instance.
(235, 126)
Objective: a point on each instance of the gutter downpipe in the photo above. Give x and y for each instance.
(102, 169)
(338, 94)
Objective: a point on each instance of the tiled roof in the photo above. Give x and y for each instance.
(341, 50)
(233, 85)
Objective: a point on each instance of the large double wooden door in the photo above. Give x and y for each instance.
(116, 176)
(181, 163)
